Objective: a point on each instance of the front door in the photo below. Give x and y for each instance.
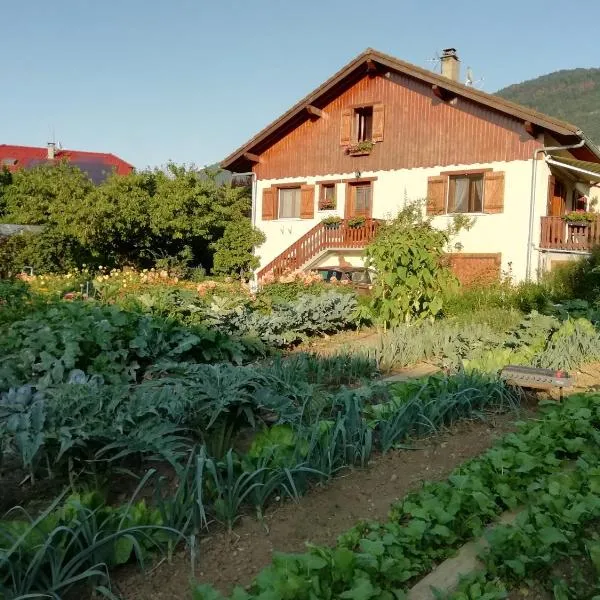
(557, 197)
(360, 200)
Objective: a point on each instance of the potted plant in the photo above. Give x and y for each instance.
(356, 222)
(332, 222)
(361, 148)
(327, 204)
(579, 218)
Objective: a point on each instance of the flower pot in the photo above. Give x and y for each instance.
(332, 225)
(578, 223)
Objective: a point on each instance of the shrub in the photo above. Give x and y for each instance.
(525, 297)
(407, 254)
(234, 250)
(577, 279)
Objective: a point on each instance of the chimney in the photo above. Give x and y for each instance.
(51, 150)
(450, 64)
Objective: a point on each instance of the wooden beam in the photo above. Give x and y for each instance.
(252, 157)
(371, 67)
(442, 93)
(531, 129)
(313, 111)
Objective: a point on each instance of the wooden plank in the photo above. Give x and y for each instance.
(254, 158)
(313, 111)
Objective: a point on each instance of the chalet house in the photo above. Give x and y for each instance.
(97, 165)
(381, 131)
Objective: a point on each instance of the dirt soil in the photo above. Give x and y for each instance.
(320, 517)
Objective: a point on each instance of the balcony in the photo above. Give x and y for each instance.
(558, 235)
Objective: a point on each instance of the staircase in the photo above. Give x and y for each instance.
(321, 237)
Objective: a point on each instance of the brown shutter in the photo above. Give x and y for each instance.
(348, 202)
(551, 182)
(493, 192)
(346, 127)
(436, 195)
(269, 202)
(378, 118)
(307, 202)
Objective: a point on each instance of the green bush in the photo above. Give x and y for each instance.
(172, 215)
(524, 297)
(407, 254)
(234, 250)
(577, 279)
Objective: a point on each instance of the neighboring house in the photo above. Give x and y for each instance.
(382, 131)
(97, 165)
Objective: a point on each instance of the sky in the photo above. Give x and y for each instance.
(189, 81)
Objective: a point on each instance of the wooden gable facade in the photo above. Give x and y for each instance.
(414, 128)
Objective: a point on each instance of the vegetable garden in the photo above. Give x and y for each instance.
(186, 394)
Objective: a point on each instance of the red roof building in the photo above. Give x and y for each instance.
(97, 165)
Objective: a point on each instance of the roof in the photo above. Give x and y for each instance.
(345, 76)
(97, 165)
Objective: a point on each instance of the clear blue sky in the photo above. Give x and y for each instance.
(190, 80)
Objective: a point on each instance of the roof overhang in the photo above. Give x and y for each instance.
(371, 62)
(584, 168)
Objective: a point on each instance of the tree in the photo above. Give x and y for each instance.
(45, 194)
(5, 181)
(173, 216)
(234, 249)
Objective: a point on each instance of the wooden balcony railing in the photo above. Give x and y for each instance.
(319, 238)
(560, 235)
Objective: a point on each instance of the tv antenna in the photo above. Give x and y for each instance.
(470, 81)
(436, 60)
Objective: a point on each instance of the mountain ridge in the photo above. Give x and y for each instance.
(572, 95)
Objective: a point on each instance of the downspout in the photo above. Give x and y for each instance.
(544, 149)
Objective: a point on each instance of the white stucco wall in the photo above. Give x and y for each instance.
(506, 232)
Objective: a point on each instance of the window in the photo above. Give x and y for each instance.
(289, 203)
(327, 197)
(363, 124)
(465, 194)
(362, 199)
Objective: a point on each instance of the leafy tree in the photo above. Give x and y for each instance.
(234, 249)
(46, 252)
(113, 220)
(5, 181)
(172, 217)
(407, 255)
(45, 194)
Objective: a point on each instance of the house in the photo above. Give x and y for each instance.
(381, 131)
(97, 165)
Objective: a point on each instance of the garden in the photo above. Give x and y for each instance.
(146, 416)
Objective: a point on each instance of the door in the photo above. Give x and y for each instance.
(557, 197)
(359, 200)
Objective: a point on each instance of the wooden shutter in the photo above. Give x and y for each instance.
(307, 202)
(346, 127)
(551, 183)
(436, 195)
(348, 202)
(269, 203)
(493, 192)
(378, 118)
